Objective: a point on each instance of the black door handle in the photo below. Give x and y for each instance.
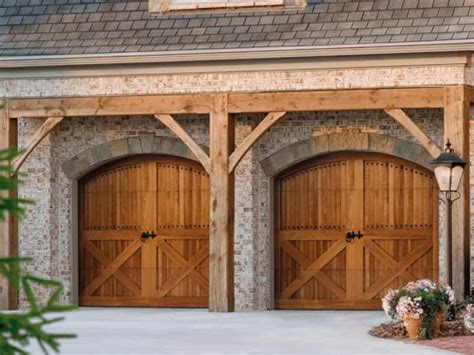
(350, 236)
(146, 235)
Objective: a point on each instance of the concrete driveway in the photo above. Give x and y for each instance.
(178, 331)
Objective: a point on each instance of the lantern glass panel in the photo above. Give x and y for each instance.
(456, 176)
(443, 175)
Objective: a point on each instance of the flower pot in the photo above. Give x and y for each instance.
(412, 325)
(438, 320)
(437, 324)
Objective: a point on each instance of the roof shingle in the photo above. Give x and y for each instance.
(49, 27)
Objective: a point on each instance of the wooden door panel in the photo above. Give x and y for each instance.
(393, 203)
(183, 267)
(321, 194)
(296, 257)
(399, 226)
(400, 196)
(182, 198)
(121, 201)
(310, 259)
(97, 254)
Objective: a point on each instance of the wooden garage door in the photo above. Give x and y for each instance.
(391, 202)
(165, 197)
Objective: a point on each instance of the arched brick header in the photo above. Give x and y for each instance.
(344, 141)
(145, 143)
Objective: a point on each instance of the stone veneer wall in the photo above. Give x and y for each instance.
(46, 232)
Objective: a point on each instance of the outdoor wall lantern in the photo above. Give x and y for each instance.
(448, 169)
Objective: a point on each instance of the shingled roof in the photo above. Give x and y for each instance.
(60, 27)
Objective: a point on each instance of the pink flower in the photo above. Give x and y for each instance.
(449, 294)
(408, 306)
(386, 303)
(468, 312)
(420, 285)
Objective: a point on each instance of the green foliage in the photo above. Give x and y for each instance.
(422, 299)
(432, 302)
(9, 183)
(18, 328)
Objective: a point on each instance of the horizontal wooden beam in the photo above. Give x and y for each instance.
(110, 105)
(337, 100)
(238, 102)
(176, 128)
(249, 141)
(401, 117)
(38, 136)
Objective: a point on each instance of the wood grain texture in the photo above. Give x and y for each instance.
(9, 227)
(401, 117)
(336, 100)
(392, 202)
(36, 139)
(176, 128)
(456, 130)
(221, 259)
(249, 141)
(238, 102)
(110, 105)
(121, 200)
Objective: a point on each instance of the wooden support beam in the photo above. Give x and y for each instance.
(8, 228)
(221, 244)
(249, 141)
(337, 100)
(401, 117)
(110, 105)
(179, 131)
(237, 102)
(471, 95)
(38, 136)
(456, 129)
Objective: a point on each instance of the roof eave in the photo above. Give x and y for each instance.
(234, 54)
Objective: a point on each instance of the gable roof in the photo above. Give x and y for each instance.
(66, 27)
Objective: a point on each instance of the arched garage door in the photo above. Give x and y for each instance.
(392, 203)
(122, 266)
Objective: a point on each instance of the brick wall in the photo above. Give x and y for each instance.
(46, 232)
(251, 81)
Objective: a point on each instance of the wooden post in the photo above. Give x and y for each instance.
(8, 228)
(221, 248)
(456, 129)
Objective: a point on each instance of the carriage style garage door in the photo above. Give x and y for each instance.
(144, 236)
(349, 227)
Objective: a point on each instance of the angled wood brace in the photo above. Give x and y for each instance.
(38, 136)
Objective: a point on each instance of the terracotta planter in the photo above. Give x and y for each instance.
(438, 320)
(412, 325)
